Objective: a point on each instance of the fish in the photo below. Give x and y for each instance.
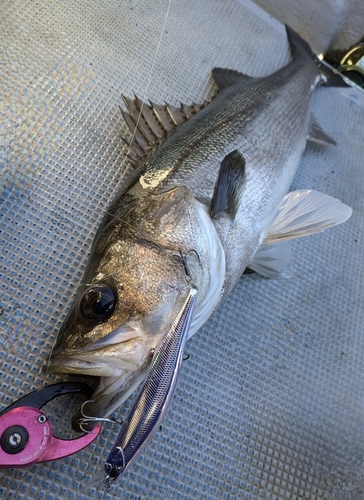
(207, 200)
(155, 396)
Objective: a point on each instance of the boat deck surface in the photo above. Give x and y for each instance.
(270, 403)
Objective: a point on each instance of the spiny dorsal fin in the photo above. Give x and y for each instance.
(134, 107)
(154, 121)
(189, 111)
(226, 77)
(139, 145)
(163, 117)
(229, 185)
(177, 114)
(155, 128)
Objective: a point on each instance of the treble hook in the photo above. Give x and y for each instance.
(88, 418)
(106, 482)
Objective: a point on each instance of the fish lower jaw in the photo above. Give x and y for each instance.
(76, 365)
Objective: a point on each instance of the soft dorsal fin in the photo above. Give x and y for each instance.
(229, 185)
(154, 122)
(226, 77)
(316, 134)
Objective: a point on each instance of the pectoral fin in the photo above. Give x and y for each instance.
(229, 185)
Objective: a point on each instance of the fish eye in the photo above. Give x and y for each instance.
(97, 302)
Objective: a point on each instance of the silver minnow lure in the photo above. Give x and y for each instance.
(151, 405)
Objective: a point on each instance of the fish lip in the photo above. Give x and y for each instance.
(63, 364)
(119, 335)
(57, 351)
(78, 364)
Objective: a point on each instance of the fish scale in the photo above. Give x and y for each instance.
(250, 131)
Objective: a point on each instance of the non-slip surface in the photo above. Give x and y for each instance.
(270, 404)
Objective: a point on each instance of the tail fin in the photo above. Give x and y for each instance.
(300, 47)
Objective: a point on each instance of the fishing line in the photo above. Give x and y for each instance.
(42, 205)
(150, 75)
(123, 163)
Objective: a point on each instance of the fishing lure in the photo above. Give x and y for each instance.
(153, 401)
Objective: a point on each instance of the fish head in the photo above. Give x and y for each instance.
(132, 295)
(148, 259)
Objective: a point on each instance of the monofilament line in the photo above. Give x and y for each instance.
(141, 108)
(150, 73)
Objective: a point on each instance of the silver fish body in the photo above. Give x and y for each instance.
(155, 396)
(198, 212)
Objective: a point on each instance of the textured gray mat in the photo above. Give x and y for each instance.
(270, 404)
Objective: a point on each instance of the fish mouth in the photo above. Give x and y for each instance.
(117, 381)
(89, 365)
(108, 396)
(124, 350)
(120, 368)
